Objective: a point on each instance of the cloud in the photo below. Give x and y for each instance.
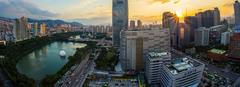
(18, 8)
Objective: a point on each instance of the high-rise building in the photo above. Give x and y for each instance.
(132, 24)
(119, 19)
(43, 29)
(216, 15)
(171, 21)
(136, 43)
(182, 72)
(21, 29)
(208, 18)
(139, 24)
(191, 24)
(201, 36)
(153, 64)
(35, 29)
(225, 38)
(237, 12)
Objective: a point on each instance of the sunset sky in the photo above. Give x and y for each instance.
(99, 11)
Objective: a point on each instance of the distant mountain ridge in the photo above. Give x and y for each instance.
(49, 23)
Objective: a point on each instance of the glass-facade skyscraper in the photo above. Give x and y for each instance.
(119, 19)
(237, 12)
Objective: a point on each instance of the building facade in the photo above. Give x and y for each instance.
(119, 19)
(191, 24)
(43, 29)
(153, 65)
(237, 12)
(21, 29)
(234, 47)
(182, 72)
(136, 43)
(201, 37)
(171, 21)
(225, 38)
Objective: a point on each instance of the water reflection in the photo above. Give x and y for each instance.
(46, 60)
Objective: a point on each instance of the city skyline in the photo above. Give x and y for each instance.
(91, 11)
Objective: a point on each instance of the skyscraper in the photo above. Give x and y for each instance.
(216, 16)
(119, 19)
(237, 12)
(171, 21)
(191, 24)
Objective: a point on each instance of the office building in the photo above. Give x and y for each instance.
(132, 24)
(136, 43)
(225, 38)
(119, 19)
(182, 72)
(171, 21)
(201, 37)
(139, 24)
(237, 12)
(153, 64)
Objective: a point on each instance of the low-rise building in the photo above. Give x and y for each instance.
(182, 72)
(217, 55)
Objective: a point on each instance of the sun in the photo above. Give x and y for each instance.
(179, 14)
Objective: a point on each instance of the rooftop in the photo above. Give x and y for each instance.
(182, 64)
(158, 54)
(217, 51)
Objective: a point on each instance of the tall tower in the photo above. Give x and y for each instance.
(119, 19)
(217, 17)
(237, 12)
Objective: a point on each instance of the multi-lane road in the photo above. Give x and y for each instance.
(78, 74)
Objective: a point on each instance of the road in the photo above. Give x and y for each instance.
(212, 68)
(77, 75)
(87, 69)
